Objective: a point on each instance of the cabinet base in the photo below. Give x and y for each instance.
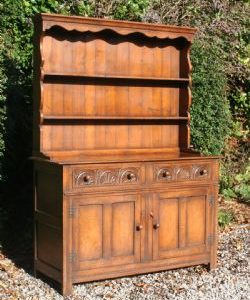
(130, 270)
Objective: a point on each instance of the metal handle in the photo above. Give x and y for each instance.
(156, 226)
(130, 176)
(203, 172)
(139, 227)
(166, 174)
(86, 178)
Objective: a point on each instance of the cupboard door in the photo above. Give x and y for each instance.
(106, 231)
(181, 224)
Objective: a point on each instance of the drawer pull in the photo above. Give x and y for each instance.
(139, 227)
(86, 179)
(203, 172)
(166, 174)
(156, 226)
(131, 176)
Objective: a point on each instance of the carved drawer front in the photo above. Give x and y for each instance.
(181, 172)
(85, 177)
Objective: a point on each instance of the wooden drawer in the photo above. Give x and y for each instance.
(182, 171)
(104, 176)
(136, 175)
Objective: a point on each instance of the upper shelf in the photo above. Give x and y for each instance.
(55, 76)
(145, 118)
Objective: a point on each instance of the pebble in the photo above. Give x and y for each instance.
(231, 280)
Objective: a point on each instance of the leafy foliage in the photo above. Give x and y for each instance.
(210, 122)
(225, 218)
(131, 9)
(242, 188)
(239, 186)
(234, 179)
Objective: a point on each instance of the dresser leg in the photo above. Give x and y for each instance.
(213, 258)
(212, 266)
(67, 288)
(213, 263)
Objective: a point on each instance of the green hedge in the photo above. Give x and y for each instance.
(210, 110)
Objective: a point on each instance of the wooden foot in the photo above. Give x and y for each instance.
(212, 265)
(66, 288)
(35, 272)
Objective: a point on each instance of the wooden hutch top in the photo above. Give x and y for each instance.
(107, 90)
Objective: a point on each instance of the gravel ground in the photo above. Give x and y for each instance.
(231, 280)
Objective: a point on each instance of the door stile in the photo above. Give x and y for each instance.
(74, 217)
(137, 233)
(155, 232)
(149, 220)
(214, 226)
(208, 233)
(143, 235)
(107, 230)
(182, 220)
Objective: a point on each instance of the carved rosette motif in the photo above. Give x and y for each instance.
(182, 173)
(105, 177)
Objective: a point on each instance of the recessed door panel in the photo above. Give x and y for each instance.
(90, 231)
(123, 227)
(168, 230)
(196, 220)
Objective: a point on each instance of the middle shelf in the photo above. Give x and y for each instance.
(108, 79)
(51, 119)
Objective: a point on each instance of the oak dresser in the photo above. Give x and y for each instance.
(118, 190)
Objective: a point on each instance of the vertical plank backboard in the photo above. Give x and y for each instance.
(91, 75)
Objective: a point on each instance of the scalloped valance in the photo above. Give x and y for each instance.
(82, 24)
